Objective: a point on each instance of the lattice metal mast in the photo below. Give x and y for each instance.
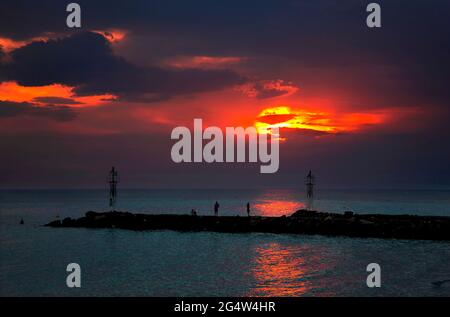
(310, 189)
(113, 180)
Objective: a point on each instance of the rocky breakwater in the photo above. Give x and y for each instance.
(300, 222)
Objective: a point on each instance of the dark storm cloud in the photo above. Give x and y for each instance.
(321, 33)
(85, 60)
(70, 61)
(2, 56)
(13, 109)
(56, 100)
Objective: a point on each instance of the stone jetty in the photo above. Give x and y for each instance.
(300, 222)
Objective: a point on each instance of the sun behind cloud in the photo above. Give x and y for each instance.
(319, 121)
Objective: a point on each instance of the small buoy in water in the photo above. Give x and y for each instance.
(21, 221)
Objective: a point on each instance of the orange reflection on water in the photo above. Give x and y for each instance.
(279, 271)
(286, 270)
(277, 207)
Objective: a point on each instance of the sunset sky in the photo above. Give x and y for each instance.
(360, 107)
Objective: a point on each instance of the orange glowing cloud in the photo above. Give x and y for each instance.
(11, 91)
(320, 121)
(9, 45)
(112, 35)
(202, 62)
(268, 89)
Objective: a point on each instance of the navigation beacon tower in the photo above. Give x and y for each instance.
(113, 180)
(309, 190)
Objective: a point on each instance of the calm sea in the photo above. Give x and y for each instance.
(33, 258)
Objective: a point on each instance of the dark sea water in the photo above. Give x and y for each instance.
(33, 258)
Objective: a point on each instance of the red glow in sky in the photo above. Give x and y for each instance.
(11, 91)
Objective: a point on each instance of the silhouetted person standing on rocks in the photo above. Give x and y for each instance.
(216, 209)
(248, 209)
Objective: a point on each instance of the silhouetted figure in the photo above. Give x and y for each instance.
(248, 209)
(216, 209)
(193, 212)
(21, 221)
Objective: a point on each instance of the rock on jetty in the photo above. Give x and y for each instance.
(300, 222)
